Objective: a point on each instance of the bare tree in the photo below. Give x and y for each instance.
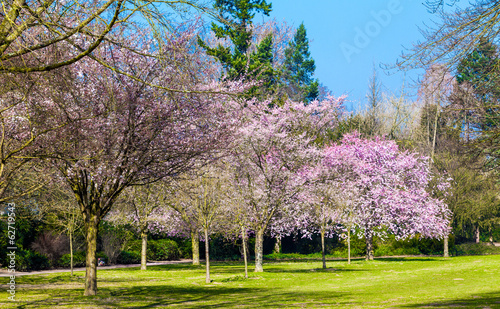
(458, 32)
(141, 206)
(201, 195)
(44, 35)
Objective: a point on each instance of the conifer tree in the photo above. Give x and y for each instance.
(299, 68)
(480, 70)
(238, 60)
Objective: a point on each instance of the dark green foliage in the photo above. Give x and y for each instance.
(112, 239)
(185, 247)
(102, 255)
(157, 250)
(481, 70)
(491, 234)
(473, 197)
(296, 248)
(238, 15)
(238, 62)
(28, 224)
(129, 257)
(78, 260)
(411, 246)
(475, 249)
(27, 228)
(298, 244)
(237, 18)
(27, 260)
(163, 249)
(3, 241)
(299, 68)
(222, 249)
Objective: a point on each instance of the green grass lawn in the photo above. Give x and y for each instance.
(464, 282)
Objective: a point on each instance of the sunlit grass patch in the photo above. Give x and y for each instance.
(471, 281)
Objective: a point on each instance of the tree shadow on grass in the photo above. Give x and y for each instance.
(202, 296)
(310, 270)
(412, 259)
(484, 300)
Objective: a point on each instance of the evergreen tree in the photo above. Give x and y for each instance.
(237, 60)
(299, 68)
(481, 70)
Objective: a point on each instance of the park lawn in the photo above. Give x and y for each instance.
(463, 282)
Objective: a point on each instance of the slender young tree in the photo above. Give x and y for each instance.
(198, 196)
(187, 223)
(140, 206)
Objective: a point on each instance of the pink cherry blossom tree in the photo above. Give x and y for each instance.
(271, 157)
(393, 192)
(146, 133)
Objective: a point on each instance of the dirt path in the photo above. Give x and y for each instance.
(5, 273)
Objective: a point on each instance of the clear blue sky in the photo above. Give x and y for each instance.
(349, 37)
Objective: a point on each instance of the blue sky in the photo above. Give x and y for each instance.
(349, 37)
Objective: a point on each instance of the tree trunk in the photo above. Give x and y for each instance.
(259, 250)
(144, 240)
(477, 234)
(435, 131)
(91, 228)
(349, 246)
(369, 245)
(195, 245)
(323, 248)
(277, 245)
(446, 252)
(71, 251)
(244, 243)
(207, 256)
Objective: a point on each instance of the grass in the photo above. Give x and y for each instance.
(464, 282)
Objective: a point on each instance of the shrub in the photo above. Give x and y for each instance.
(157, 250)
(129, 257)
(222, 249)
(78, 260)
(475, 249)
(113, 240)
(356, 251)
(27, 260)
(135, 245)
(163, 250)
(185, 247)
(390, 250)
(51, 245)
(285, 256)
